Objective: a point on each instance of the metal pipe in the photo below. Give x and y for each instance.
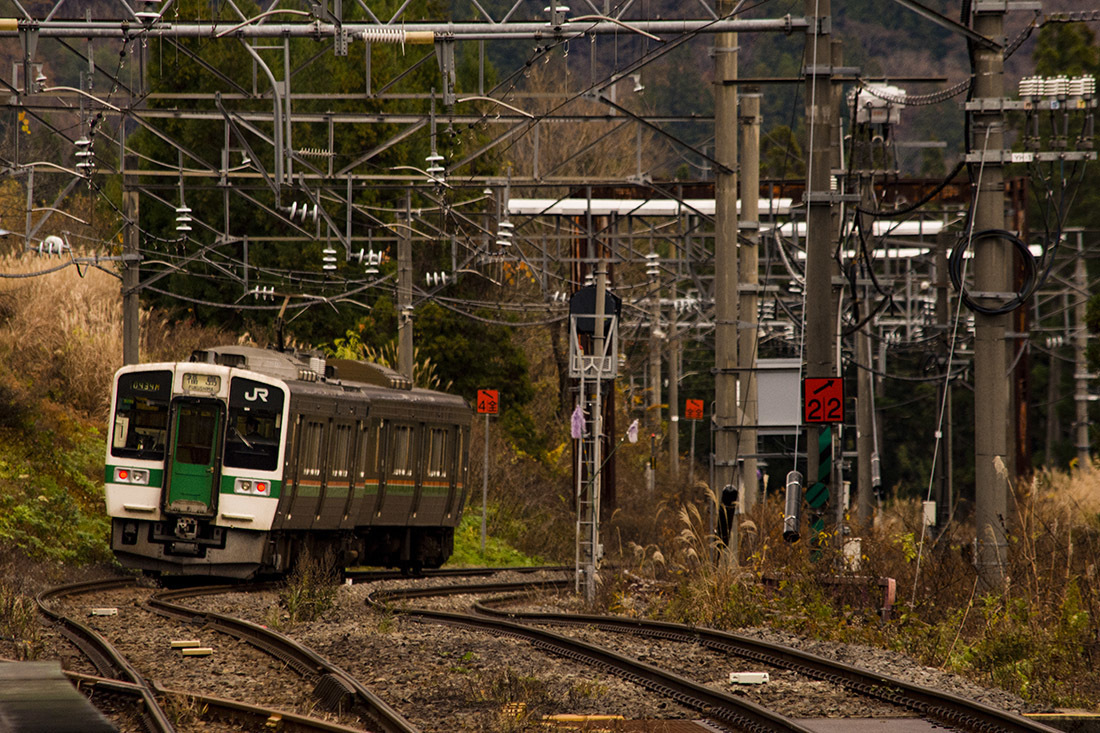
(414, 31)
(278, 137)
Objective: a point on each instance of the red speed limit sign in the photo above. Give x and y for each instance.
(487, 402)
(693, 409)
(822, 399)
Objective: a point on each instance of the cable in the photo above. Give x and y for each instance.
(928, 197)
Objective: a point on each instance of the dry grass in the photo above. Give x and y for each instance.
(61, 331)
(1038, 637)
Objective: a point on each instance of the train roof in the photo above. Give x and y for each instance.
(309, 371)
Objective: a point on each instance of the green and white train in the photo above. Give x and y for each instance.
(234, 462)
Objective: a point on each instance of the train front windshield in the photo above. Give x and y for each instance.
(141, 415)
(255, 425)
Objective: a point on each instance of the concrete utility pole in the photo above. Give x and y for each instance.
(653, 409)
(865, 380)
(748, 338)
(131, 271)
(944, 467)
(674, 347)
(404, 294)
(725, 267)
(993, 276)
(819, 322)
(1080, 348)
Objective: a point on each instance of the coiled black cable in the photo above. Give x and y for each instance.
(955, 266)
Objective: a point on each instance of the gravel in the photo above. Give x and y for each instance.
(444, 678)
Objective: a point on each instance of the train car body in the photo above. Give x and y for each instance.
(234, 462)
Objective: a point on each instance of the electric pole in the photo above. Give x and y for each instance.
(992, 278)
(131, 271)
(1080, 350)
(725, 272)
(820, 322)
(750, 293)
(674, 346)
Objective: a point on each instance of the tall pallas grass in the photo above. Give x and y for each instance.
(1037, 634)
(61, 331)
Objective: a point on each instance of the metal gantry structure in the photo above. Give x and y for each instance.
(691, 260)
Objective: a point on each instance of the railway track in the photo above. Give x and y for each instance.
(722, 708)
(335, 688)
(103, 655)
(934, 705)
(338, 690)
(118, 679)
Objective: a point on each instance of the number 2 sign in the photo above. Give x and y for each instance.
(822, 399)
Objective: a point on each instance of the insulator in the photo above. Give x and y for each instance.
(436, 278)
(1056, 86)
(792, 514)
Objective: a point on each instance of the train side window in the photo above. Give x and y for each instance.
(437, 453)
(402, 451)
(309, 454)
(368, 452)
(341, 452)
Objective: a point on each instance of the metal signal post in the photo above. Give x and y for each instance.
(488, 403)
(594, 315)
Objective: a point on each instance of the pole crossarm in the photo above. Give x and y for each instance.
(413, 33)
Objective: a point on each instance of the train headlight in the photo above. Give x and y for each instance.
(139, 476)
(253, 487)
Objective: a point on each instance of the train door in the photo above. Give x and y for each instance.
(453, 471)
(364, 475)
(372, 467)
(192, 478)
(461, 477)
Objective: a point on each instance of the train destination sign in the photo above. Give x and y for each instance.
(822, 399)
(204, 383)
(487, 402)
